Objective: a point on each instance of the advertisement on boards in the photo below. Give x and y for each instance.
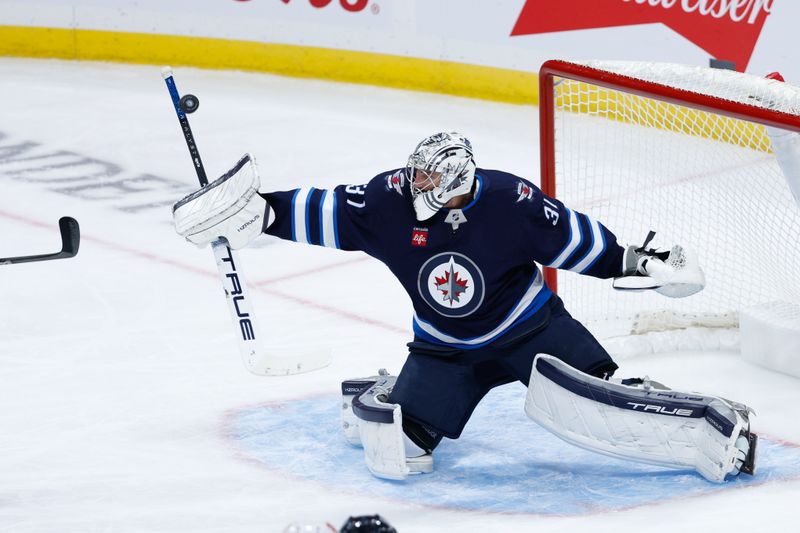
(725, 30)
(754, 35)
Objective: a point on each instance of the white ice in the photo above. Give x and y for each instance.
(119, 370)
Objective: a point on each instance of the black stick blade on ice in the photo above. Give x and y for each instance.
(70, 242)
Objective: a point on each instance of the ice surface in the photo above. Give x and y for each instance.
(124, 404)
(489, 467)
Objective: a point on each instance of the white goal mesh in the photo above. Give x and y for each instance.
(663, 153)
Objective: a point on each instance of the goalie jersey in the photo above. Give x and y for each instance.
(471, 273)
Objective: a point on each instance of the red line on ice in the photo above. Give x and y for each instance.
(203, 272)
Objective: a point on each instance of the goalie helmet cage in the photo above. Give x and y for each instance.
(681, 150)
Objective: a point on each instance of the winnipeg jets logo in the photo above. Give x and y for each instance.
(524, 191)
(451, 284)
(396, 182)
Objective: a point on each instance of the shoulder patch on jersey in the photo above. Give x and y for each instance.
(524, 192)
(396, 181)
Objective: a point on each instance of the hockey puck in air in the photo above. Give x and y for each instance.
(189, 103)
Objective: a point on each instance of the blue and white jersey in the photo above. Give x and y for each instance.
(471, 274)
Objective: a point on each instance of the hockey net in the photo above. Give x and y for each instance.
(683, 151)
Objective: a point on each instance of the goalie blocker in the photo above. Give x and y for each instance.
(642, 421)
(229, 213)
(229, 207)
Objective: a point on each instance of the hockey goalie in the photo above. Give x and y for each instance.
(467, 244)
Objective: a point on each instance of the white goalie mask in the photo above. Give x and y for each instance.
(440, 168)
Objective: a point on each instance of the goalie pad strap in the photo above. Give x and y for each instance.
(662, 427)
(371, 405)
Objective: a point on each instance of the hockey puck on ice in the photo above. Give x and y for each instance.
(189, 103)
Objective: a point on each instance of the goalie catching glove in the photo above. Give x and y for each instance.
(229, 208)
(674, 273)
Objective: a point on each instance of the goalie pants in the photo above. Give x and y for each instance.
(440, 386)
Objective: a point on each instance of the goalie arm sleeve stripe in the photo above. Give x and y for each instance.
(329, 232)
(300, 215)
(569, 240)
(585, 244)
(297, 214)
(596, 250)
(573, 240)
(327, 217)
(597, 254)
(313, 216)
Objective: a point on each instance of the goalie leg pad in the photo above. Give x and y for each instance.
(646, 424)
(389, 454)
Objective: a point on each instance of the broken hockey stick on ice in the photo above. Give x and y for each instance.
(254, 356)
(70, 242)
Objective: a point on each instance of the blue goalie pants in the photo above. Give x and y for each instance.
(440, 386)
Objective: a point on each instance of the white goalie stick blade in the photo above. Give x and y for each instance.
(254, 356)
(265, 364)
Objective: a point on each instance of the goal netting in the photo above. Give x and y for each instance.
(683, 151)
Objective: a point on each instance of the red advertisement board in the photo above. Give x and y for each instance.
(726, 29)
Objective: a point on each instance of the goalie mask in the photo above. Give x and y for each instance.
(439, 169)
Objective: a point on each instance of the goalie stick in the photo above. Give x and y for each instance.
(254, 356)
(70, 242)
